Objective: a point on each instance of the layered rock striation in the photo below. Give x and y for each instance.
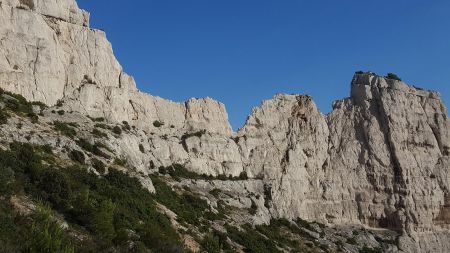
(380, 159)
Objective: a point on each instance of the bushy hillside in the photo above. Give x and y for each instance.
(81, 197)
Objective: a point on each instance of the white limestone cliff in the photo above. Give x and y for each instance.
(380, 159)
(49, 53)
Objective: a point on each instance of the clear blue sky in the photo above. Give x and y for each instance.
(241, 52)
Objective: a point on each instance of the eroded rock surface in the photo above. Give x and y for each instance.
(380, 159)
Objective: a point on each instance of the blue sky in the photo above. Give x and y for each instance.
(241, 52)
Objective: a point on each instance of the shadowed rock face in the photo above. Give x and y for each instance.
(379, 159)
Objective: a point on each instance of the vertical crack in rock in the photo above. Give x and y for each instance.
(120, 79)
(392, 221)
(35, 64)
(135, 112)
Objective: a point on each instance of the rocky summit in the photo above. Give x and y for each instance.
(90, 164)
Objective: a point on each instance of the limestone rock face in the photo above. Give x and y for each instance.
(380, 159)
(285, 141)
(49, 53)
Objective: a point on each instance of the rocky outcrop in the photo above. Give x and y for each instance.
(380, 159)
(48, 53)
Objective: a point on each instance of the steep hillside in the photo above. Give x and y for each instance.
(96, 165)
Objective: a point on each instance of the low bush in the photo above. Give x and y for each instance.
(178, 171)
(251, 240)
(189, 208)
(267, 195)
(99, 119)
(243, 176)
(157, 123)
(99, 133)
(126, 126)
(3, 117)
(101, 208)
(352, 241)
(117, 130)
(59, 103)
(98, 165)
(197, 134)
(253, 208)
(47, 234)
(65, 129)
(393, 77)
(366, 249)
(77, 156)
(120, 162)
(215, 242)
(33, 117)
(102, 126)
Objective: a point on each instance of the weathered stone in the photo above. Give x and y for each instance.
(380, 159)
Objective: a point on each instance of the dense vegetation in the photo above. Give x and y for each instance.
(17, 104)
(178, 172)
(114, 210)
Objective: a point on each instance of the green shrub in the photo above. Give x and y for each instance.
(215, 192)
(6, 180)
(47, 148)
(3, 117)
(33, 117)
(188, 207)
(178, 171)
(102, 126)
(59, 103)
(243, 175)
(99, 119)
(126, 126)
(366, 249)
(393, 77)
(102, 222)
(101, 207)
(65, 129)
(352, 241)
(215, 242)
(197, 134)
(92, 148)
(47, 234)
(253, 208)
(61, 112)
(98, 165)
(157, 123)
(77, 156)
(40, 104)
(120, 162)
(117, 130)
(52, 185)
(86, 145)
(99, 133)
(267, 195)
(17, 103)
(251, 240)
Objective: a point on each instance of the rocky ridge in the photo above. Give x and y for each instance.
(380, 159)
